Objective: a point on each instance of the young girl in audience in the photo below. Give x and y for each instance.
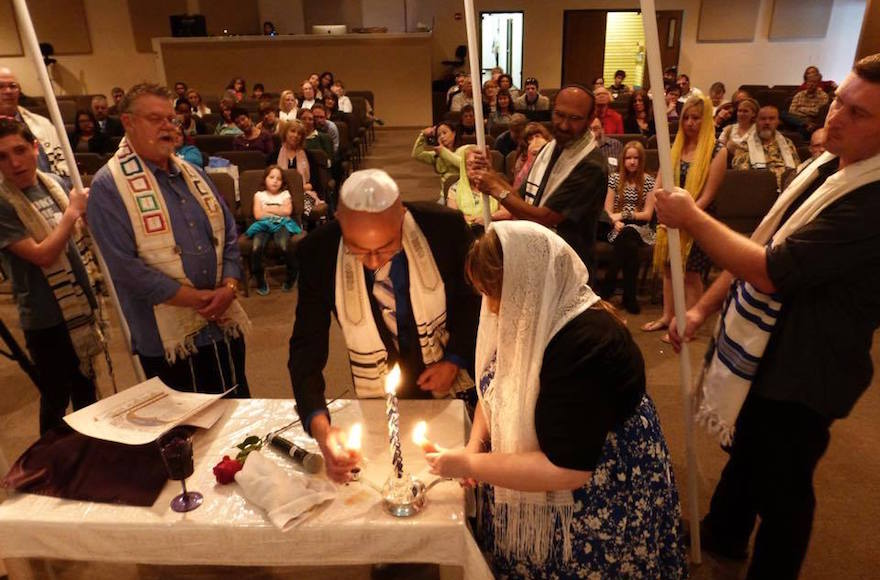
(273, 212)
(738, 133)
(535, 136)
(630, 205)
(640, 115)
(227, 125)
(199, 108)
(698, 169)
(238, 88)
(292, 155)
(343, 102)
(287, 106)
(436, 147)
(186, 150)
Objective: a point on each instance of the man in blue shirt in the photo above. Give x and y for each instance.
(197, 345)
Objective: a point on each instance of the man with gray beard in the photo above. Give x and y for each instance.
(766, 148)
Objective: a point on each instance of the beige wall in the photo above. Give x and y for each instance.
(397, 68)
(286, 15)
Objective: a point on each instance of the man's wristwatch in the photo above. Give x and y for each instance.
(503, 195)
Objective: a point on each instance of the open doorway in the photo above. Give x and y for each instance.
(501, 44)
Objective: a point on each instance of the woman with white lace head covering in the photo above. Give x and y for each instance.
(577, 473)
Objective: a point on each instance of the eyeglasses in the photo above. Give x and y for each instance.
(384, 252)
(155, 119)
(10, 86)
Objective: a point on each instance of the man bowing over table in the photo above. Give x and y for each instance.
(393, 274)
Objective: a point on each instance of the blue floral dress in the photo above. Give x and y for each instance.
(627, 518)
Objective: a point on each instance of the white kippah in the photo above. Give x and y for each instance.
(369, 190)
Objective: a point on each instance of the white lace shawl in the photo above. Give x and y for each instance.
(545, 286)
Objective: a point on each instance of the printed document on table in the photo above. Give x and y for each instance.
(142, 413)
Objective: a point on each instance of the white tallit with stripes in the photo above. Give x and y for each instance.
(749, 316)
(427, 292)
(757, 157)
(156, 246)
(570, 157)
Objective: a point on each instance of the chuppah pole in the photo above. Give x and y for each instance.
(474, 63)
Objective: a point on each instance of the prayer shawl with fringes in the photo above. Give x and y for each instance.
(72, 298)
(570, 157)
(757, 156)
(154, 238)
(366, 351)
(749, 316)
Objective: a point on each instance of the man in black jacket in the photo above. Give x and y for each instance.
(396, 303)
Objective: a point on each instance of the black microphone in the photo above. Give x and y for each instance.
(311, 462)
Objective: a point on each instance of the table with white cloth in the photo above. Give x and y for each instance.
(354, 529)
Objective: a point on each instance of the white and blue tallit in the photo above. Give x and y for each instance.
(749, 316)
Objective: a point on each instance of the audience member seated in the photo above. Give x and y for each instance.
(812, 71)
(293, 155)
(673, 105)
(86, 138)
(109, 126)
(505, 83)
(455, 88)
(716, 95)
(315, 81)
(331, 105)
(746, 113)
(251, 138)
(535, 137)
(308, 98)
(273, 215)
(227, 125)
(186, 150)
(463, 98)
(496, 73)
(630, 206)
(512, 138)
(504, 110)
(669, 75)
(268, 118)
(465, 197)
(685, 88)
(436, 147)
(325, 125)
(314, 138)
(180, 89)
(467, 125)
(490, 97)
(640, 115)
(806, 106)
(269, 28)
(598, 82)
(191, 124)
(531, 99)
(342, 101)
(325, 83)
(619, 89)
(258, 91)
(722, 116)
(199, 108)
(609, 147)
(767, 148)
(610, 119)
(238, 88)
(287, 106)
(817, 147)
(116, 94)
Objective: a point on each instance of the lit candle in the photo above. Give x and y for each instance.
(420, 437)
(391, 382)
(355, 435)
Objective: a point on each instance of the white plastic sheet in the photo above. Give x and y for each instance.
(227, 530)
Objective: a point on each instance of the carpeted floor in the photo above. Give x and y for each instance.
(847, 480)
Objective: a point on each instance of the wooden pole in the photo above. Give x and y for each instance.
(649, 19)
(26, 26)
(474, 61)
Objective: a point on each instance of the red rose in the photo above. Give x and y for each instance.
(225, 470)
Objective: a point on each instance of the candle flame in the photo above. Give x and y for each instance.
(420, 434)
(355, 435)
(392, 380)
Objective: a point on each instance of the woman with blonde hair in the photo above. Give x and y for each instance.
(739, 132)
(292, 155)
(630, 205)
(287, 106)
(696, 168)
(577, 478)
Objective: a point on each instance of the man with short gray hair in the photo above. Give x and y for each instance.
(107, 125)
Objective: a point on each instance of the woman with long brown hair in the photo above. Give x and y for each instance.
(630, 205)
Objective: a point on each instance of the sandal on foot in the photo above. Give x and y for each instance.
(655, 325)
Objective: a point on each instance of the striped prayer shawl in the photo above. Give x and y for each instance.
(750, 316)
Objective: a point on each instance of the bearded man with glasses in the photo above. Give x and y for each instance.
(170, 244)
(393, 275)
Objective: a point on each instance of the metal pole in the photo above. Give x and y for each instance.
(26, 26)
(474, 60)
(649, 19)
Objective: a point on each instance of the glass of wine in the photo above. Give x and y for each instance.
(177, 453)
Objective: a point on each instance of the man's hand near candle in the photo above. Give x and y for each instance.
(438, 377)
(339, 460)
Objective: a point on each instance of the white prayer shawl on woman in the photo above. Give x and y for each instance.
(757, 157)
(427, 293)
(545, 287)
(156, 246)
(570, 157)
(45, 132)
(749, 316)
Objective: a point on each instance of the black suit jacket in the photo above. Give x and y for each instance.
(449, 238)
(113, 128)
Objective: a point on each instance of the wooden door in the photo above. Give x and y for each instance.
(583, 46)
(669, 31)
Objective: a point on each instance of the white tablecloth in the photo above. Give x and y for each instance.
(226, 530)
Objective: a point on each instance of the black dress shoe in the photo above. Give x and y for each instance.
(710, 544)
